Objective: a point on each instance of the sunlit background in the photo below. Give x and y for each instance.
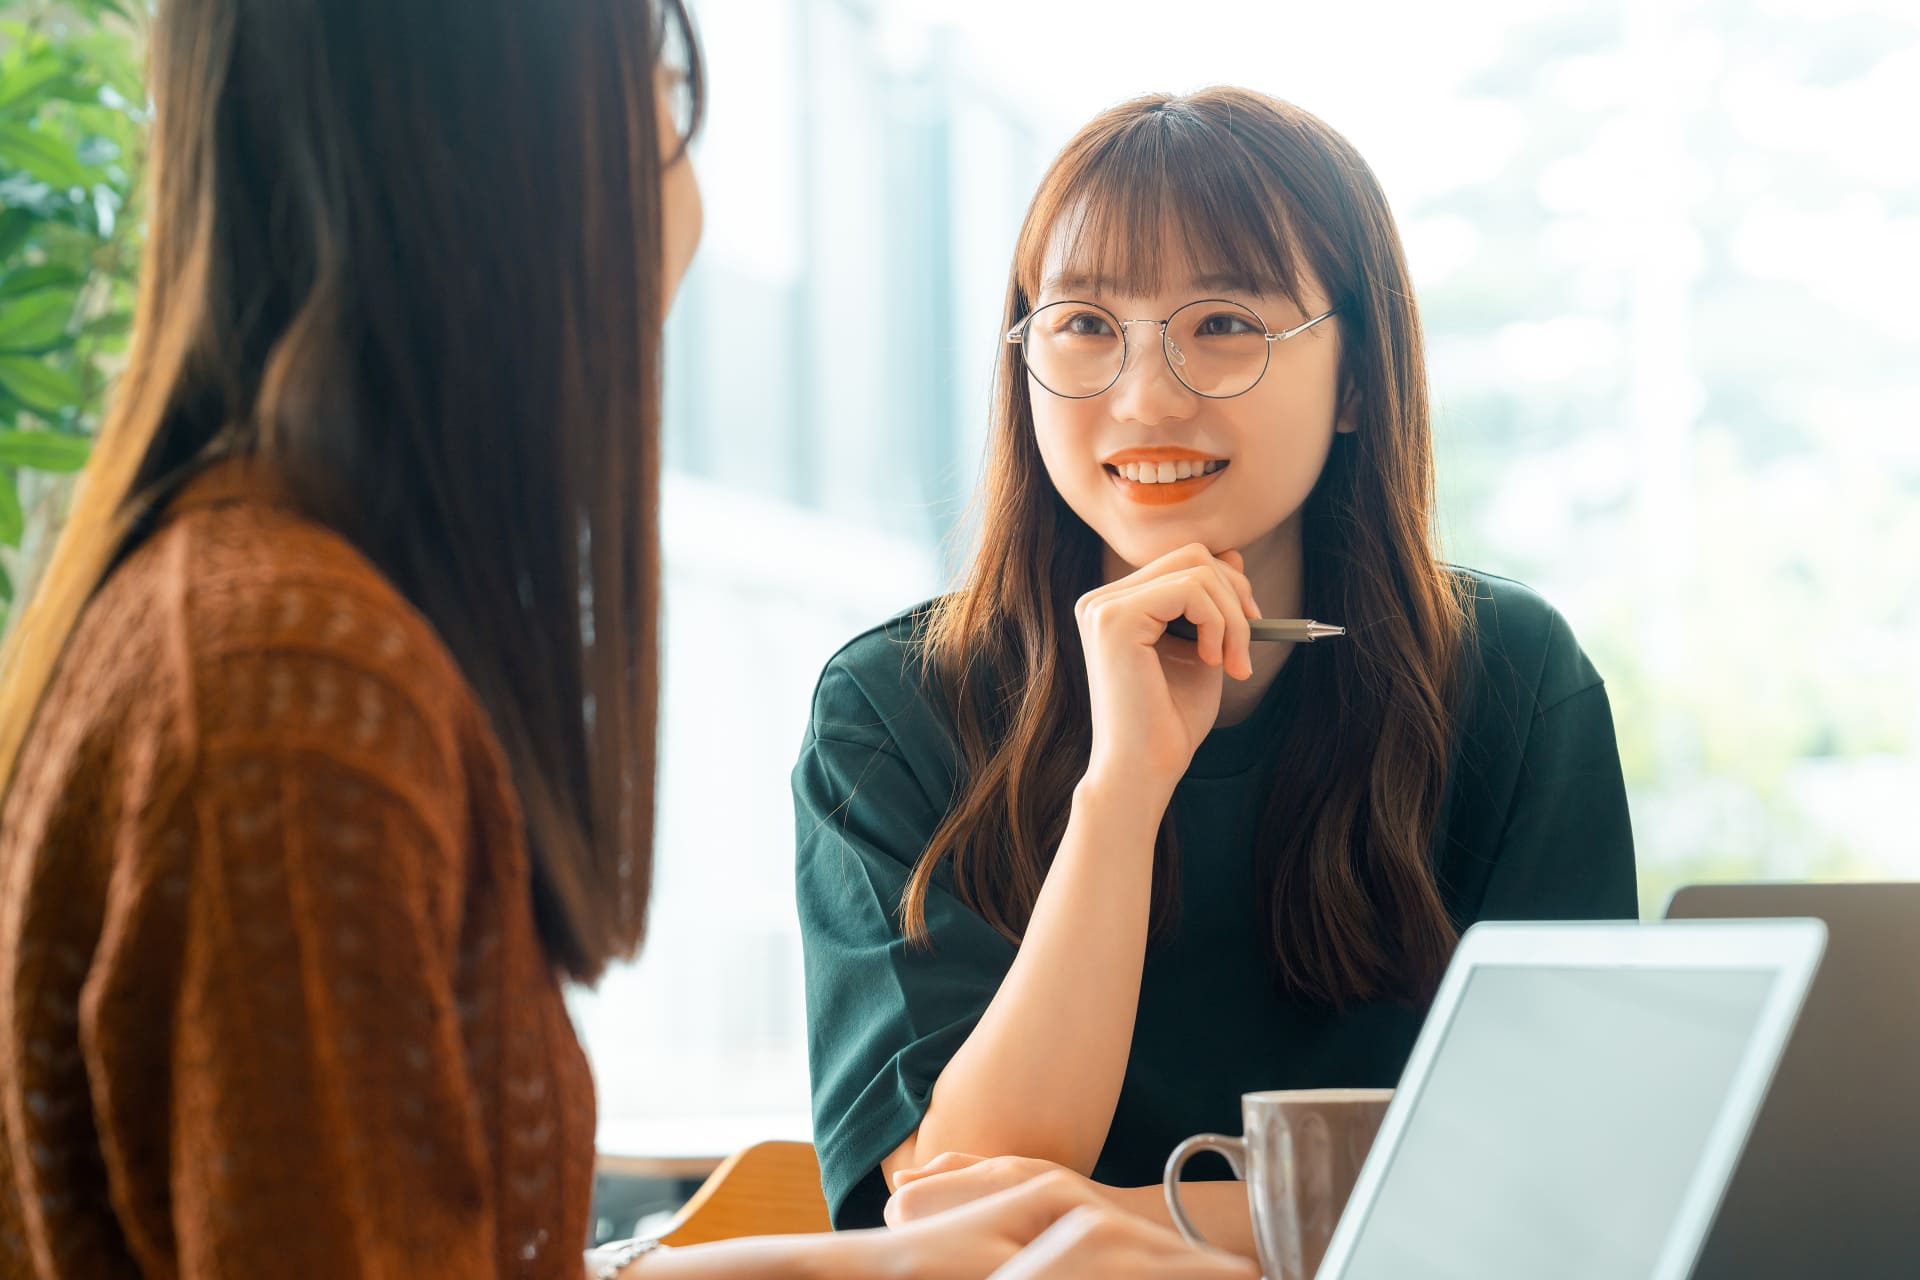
(1668, 258)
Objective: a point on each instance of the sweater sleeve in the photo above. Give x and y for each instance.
(272, 1019)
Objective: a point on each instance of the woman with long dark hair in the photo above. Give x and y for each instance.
(328, 739)
(1070, 883)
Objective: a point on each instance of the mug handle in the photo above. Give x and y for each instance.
(1235, 1151)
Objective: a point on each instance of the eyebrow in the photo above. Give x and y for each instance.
(1221, 282)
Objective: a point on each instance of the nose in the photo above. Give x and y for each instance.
(1147, 390)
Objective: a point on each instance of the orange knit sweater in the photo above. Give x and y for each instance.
(272, 1002)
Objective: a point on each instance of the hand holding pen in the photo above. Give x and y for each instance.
(1303, 630)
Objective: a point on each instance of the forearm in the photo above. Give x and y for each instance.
(816, 1257)
(1041, 1072)
(1217, 1209)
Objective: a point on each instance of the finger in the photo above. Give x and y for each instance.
(1194, 594)
(1232, 572)
(1188, 1263)
(1022, 1212)
(1140, 614)
(926, 1197)
(938, 1192)
(1094, 1243)
(945, 1162)
(1239, 638)
(1191, 556)
(1234, 653)
(1061, 1251)
(1194, 555)
(1237, 564)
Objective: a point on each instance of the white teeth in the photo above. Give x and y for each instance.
(1167, 472)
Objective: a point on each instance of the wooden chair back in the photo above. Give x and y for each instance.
(768, 1189)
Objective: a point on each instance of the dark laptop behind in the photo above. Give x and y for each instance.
(1829, 1183)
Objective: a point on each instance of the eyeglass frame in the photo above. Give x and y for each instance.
(1017, 336)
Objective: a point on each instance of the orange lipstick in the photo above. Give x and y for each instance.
(1163, 493)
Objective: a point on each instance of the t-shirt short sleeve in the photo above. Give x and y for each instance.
(1564, 850)
(884, 1016)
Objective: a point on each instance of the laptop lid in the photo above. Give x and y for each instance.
(1575, 1101)
(1827, 1182)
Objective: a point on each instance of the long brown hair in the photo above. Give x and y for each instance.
(408, 256)
(1262, 189)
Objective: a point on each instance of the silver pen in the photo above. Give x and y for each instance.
(1296, 629)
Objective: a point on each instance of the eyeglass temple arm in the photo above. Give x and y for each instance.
(1284, 334)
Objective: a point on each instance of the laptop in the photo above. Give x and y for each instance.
(1829, 1184)
(1576, 1101)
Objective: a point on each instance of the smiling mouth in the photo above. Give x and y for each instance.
(1157, 483)
(1148, 472)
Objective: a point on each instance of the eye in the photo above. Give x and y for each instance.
(1084, 324)
(1225, 324)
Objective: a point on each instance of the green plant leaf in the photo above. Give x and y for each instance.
(26, 86)
(44, 450)
(109, 6)
(34, 198)
(37, 321)
(39, 385)
(114, 324)
(51, 161)
(6, 594)
(47, 275)
(15, 226)
(13, 521)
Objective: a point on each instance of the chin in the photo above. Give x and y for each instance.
(1138, 548)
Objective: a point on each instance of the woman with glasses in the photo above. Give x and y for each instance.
(1071, 882)
(327, 742)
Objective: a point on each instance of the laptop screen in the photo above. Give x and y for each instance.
(1560, 1124)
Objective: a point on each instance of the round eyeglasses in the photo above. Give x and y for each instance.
(1217, 348)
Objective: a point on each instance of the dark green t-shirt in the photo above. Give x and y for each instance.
(1534, 827)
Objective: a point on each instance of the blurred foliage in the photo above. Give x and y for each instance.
(1669, 228)
(1743, 576)
(73, 117)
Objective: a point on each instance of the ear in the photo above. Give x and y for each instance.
(1346, 417)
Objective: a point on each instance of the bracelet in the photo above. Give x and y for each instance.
(617, 1256)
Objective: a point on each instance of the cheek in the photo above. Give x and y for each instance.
(687, 218)
(1287, 462)
(1062, 430)
(1280, 447)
